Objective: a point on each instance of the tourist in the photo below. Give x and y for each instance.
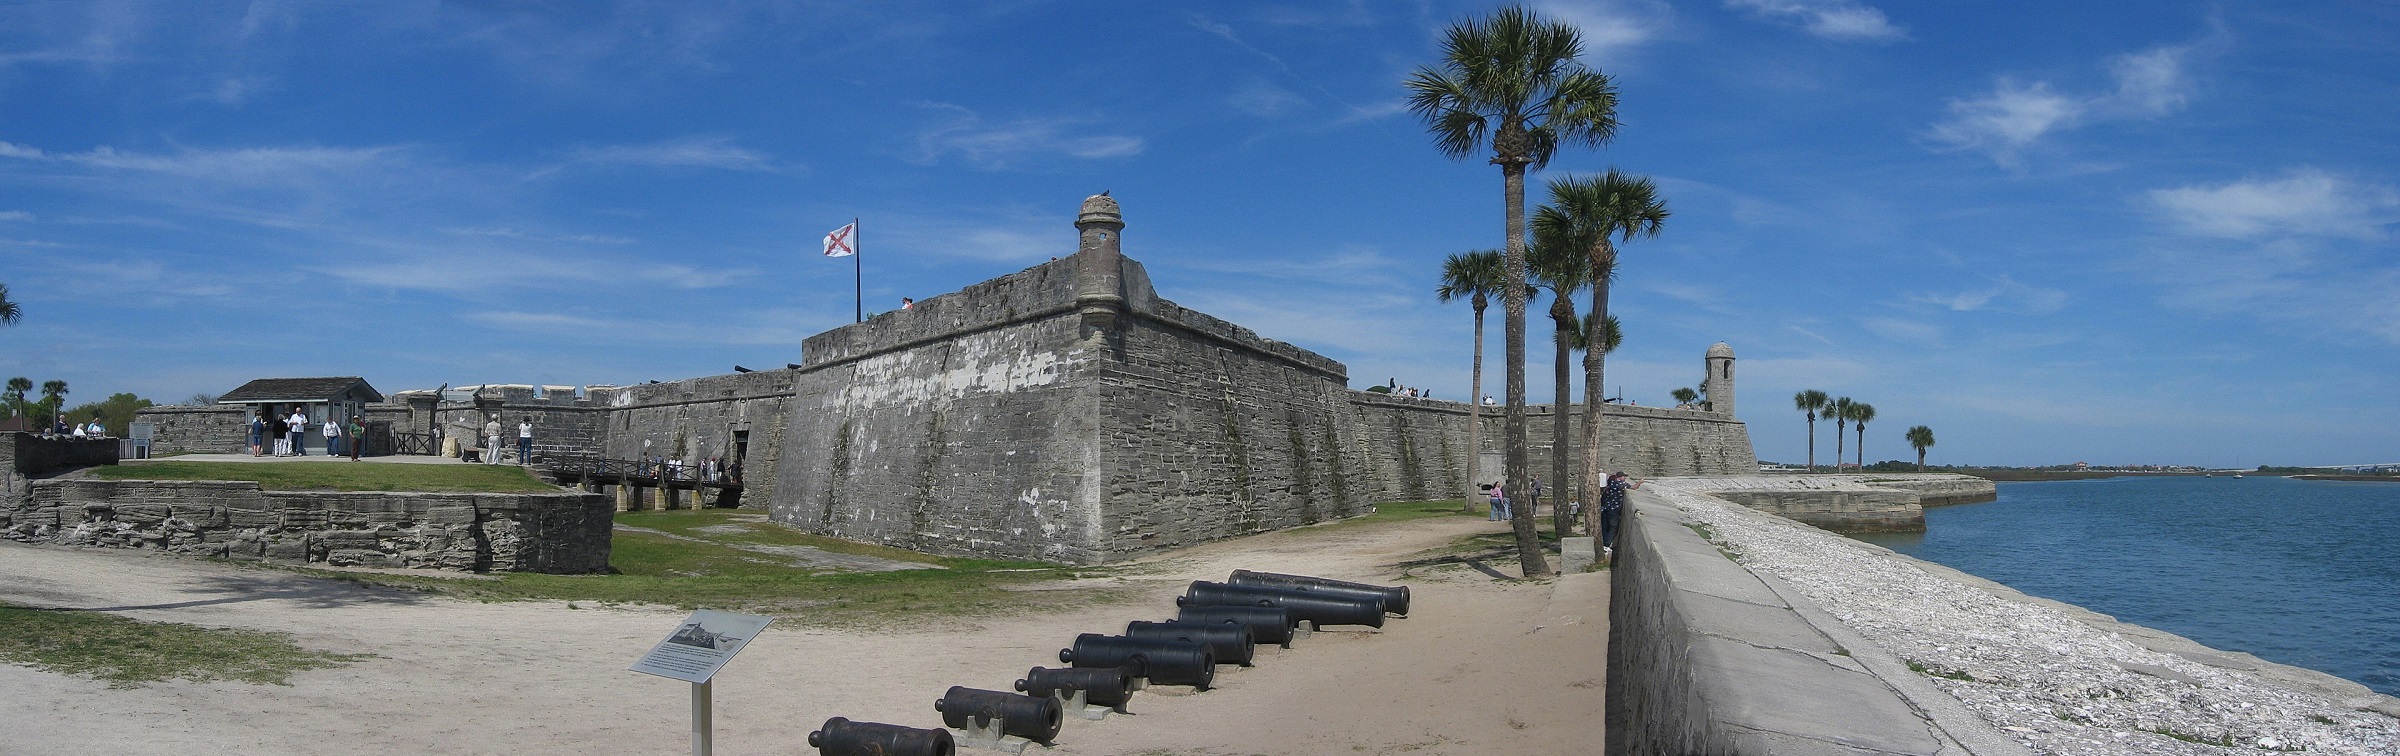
(525, 440)
(333, 435)
(58, 428)
(733, 472)
(491, 441)
(906, 303)
(1612, 502)
(258, 433)
(1533, 499)
(1499, 502)
(275, 431)
(78, 431)
(296, 428)
(358, 435)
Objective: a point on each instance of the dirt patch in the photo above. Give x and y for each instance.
(1484, 666)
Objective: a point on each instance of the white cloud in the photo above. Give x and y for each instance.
(510, 233)
(993, 146)
(2005, 294)
(2016, 115)
(243, 165)
(691, 152)
(1264, 100)
(16, 215)
(1839, 20)
(1611, 27)
(1903, 330)
(2304, 202)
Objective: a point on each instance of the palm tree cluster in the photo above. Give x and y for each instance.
(54, 397)
(1844, 411)
(1513, 83)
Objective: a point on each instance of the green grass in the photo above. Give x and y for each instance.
(1952, 674)
(338, 476)
(713, 573)
(1402, 511)
(128, 652)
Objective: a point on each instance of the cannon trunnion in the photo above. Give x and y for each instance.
(842, 737)
(1395, 598)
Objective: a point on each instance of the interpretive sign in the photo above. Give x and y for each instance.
(701, 645)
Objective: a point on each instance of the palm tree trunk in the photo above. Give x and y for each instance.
(1562, 318)
(1530, 558)
(1920, 459)
(1838, 427)
(1862, 447)
(1812, 442)
(1475, 413)
(1587, 481)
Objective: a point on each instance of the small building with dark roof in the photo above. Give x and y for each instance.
(320, 398)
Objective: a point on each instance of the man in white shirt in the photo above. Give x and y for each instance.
(298, 428)
(525, 441)
(491, 441)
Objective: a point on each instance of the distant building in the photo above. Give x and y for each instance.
(319, 398)
(2082, 466)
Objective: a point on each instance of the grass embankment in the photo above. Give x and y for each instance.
(725, 559)
(129, 652)
(339, 476)
(1402, 511)
(1481, 551)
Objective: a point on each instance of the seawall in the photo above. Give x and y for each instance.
(1737, 631)
(1870, 503)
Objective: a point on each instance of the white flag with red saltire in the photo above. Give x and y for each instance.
(843, 242)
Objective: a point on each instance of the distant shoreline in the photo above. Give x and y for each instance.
(2027, 476)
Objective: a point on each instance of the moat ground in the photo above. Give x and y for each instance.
(1485, 665)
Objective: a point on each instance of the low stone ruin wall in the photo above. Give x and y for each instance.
(1938, 489)
(1846, 503)
(473, 532)
(24, 456)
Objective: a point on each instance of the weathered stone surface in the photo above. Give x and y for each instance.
(542, 532)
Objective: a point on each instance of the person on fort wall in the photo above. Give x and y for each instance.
(1612, 506)
(258, 433)
(525, 440)
(358, 435)
(491, 441)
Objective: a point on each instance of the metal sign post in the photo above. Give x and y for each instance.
(693, 653)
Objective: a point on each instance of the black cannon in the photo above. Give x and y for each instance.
(1267, 624)
(1101, 686)
(1395, 598)
(1035, 718)
(1230, 643)
(1316, 608)
(1162, 662)
(842, 737)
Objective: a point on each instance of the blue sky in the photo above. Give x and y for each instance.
(2116, 232)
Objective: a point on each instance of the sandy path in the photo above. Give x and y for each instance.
(1484, 666)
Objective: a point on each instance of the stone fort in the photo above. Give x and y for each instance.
(1064, 413)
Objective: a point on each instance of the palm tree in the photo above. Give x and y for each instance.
(54, 398)
(15, 396)
(1922, 438)
(1860, 413)
(1812, 402)
(1560, 269)
(1513, 79)
(10, 313)
(1685, 395)
(1591, 216)
(1839, 410)
(1475, 276)
(1612, 333)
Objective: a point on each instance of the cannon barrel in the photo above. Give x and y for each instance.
(1317, 608)
(1035, 718)
(1231, 643)
(1395, 598)
(1267, 624)
(1103, 686)
(1164, 662)
(842, 737)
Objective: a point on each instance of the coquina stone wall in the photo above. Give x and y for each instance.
(25, 457)
(477, 532)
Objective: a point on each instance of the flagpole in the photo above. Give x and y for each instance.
(858, 276)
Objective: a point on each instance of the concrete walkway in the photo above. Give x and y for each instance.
(396, 459)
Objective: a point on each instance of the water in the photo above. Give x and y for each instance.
(2299, 572)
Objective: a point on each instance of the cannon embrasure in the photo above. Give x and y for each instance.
(989, 714)
(1395, 598)
(1162, 662)
(842, 737)
(1317, 609)
(1267, 624)
(1231, 643)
